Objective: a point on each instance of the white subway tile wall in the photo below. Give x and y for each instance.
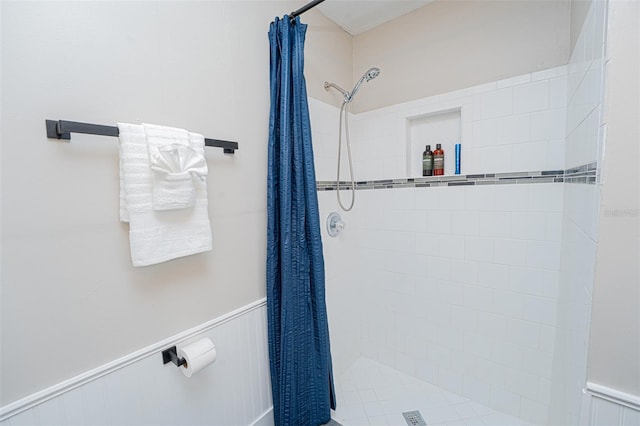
(341, 276)
(584, 142)
(454, 285)
(517, 124)
(471, 314)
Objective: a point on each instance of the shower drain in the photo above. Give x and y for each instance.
(414, 418)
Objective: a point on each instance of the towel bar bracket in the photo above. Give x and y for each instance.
(53, 131)
(171, 355)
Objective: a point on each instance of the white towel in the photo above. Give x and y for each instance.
(175, 167)
(158, 236)
(175, 163)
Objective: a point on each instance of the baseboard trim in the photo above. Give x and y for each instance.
(613, 395)
(51, 392)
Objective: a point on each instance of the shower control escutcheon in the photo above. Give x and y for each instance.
(335, 224)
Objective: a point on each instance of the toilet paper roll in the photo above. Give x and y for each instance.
(198, 355)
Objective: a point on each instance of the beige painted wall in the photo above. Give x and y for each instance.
(71, 300)
(614, 347)
(328, 56)
(449, 45)
(579, 10)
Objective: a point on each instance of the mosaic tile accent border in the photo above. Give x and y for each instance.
(581, 174)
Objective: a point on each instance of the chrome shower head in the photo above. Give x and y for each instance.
(348, 97)
(368, 76)
(372, 73)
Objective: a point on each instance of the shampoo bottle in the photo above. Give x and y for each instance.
(427, 161)
(438, 161)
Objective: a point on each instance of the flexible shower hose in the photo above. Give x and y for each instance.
(345, 110)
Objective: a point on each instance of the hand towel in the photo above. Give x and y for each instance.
(158, 235)
(175, 166)
(175, 163)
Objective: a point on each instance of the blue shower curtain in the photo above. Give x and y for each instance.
(299, 353)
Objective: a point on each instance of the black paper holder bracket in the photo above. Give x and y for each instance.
(171, 355)
(62, 129)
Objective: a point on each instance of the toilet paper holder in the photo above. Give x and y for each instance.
(171, 355)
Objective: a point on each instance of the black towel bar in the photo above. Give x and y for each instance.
(62, 129)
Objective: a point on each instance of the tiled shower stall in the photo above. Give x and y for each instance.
(474, 283)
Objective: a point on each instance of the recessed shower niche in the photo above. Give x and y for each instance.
(440, 127)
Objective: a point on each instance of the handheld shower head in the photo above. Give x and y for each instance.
(348, 97)
(368, 76)
(372, 73)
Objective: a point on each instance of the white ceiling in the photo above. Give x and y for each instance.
(358, 16)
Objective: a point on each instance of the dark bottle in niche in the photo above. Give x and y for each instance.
(438, 161)
(427, 161)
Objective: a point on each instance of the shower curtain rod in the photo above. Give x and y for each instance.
(62, 129)
(304, 8)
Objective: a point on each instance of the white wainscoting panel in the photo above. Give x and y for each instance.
(609, 407)
(139, 390)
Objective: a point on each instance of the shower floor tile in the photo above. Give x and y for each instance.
(373, 394)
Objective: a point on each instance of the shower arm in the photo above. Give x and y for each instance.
(348, 97)
(345, 94)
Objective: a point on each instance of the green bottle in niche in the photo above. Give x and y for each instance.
(427, 161)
